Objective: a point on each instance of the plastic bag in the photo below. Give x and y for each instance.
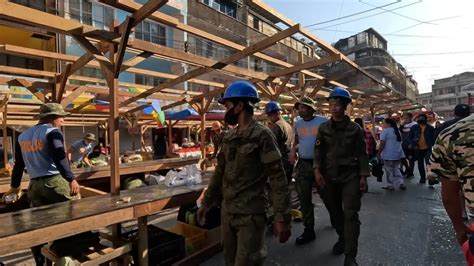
(194, 175)
(189, 175)
(175, 179)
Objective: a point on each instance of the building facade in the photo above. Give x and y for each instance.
(369, 50)
(447, 92)
(426, 99)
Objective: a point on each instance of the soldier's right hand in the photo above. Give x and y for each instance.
(292, 158)
(282, 231)
(201, 215)
(319, 179)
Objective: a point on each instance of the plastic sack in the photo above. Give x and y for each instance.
(189, 175)
(175, 179)
(194, 174)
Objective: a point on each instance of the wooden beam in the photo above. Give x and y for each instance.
(28, 85)
(233, 58)
(50, 22)
(137, 59)
(63, 79)
(73, 95)
(146, 10)
(136, 109)
(317, 88)
(307, 65)
(128, 24)
(106, 66)
(282, 86)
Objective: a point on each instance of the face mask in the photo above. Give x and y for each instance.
(231, 118)
(421, 121)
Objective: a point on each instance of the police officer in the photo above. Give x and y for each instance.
(41, 151)
(341, 168)
(248, 158)
(283, 133)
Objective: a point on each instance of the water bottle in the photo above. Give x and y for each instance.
(11, 198)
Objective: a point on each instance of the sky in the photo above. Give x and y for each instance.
(432, 39)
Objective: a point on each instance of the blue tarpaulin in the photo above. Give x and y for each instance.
(181, 115)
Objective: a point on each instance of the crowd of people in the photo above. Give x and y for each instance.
(331, 154)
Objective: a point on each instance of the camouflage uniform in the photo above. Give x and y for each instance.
(341, 157)
(453, 156)
(284, 138)
(217, 141)
(247, 159)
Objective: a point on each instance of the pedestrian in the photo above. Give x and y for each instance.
(341, 167)
(370, 142)
(422, 138)
(409, 161)
(41, 150)
(305, 131)
(217, 135)
(78, 152)
(453, 162)
(248, 157)
(391, 153)
(283, 133)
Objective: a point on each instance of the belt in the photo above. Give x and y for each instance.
(42, 177)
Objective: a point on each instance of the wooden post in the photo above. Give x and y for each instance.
(5, 140)
(170, 133)
(142, 141)
(203, 135)
(142, 241)
(106, 139)
(300, 74)
(114, 133)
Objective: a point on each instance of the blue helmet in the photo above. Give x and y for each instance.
(272, 107)
(341, 93)
(241, 89)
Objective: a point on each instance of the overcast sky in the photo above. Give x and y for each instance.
(432, 39)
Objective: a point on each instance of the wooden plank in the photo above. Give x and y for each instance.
(233, 58)
(110, 253)
(5, 135)
(27, 72)
(28, 85)
(317, 88)
(137, 59)
(40, 236)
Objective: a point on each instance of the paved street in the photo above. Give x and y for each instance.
(398, 228)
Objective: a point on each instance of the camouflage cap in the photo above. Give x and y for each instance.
(48, 109)
(306, 101)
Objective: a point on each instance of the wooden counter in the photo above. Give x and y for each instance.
(104, 171)
(34, 226)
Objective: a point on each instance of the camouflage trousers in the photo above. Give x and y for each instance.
(44, 191)
(243, 237)
(304, 181)
(343, 201)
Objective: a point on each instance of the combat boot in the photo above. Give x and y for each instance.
(350, 261)
(307, 236)
(338, 248)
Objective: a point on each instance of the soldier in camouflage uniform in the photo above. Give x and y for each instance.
(247, 159)
(283, 133)
(341, 167)
(453, 161)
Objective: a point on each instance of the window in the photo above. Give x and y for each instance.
(36, 4)
(362, 38)
(21, 62)
(256, 23)
(224, 6)
(148, 80)
(91, 13)
(452, 101)
(151, 32)
(450, 90)
(351, 42)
